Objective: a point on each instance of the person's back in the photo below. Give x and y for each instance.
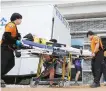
(77, 62)
(95, 40)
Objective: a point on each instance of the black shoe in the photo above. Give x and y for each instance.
(94, 85)
(3, 85)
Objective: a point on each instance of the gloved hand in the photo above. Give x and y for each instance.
(18, 43)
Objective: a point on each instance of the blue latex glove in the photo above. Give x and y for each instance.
(18, 43)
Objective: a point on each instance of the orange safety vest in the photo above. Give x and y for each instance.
(11, 27)
(94, 41)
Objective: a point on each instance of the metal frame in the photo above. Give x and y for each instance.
(63, 67)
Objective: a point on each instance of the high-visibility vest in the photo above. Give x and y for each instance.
(36, 39)
(43, 41)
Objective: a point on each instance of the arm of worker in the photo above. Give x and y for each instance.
(18, 36)
(8, 38)
(10, 32)
(96, 46)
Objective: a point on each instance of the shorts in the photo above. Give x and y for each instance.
(78, 68)
(47, 65)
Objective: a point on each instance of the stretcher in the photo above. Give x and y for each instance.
(45, 49)
(56, 52)
(40, 50)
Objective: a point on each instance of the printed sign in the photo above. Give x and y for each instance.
(3, 21)
(62, 19)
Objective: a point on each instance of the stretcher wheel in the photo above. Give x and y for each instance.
(61, 84)
(67, 84)
(34, 83)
